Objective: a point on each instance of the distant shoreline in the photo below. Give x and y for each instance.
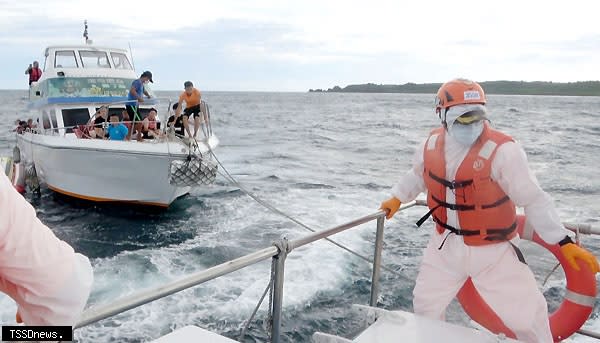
(579, 88)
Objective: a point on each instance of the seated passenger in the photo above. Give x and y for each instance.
(149, 127)
(126, 120)
(21, 126)
(31, 124)
(116, 131)
(99, 118)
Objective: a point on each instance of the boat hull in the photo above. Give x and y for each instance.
(106, 171)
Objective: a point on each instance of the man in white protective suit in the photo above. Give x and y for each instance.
(475, 176)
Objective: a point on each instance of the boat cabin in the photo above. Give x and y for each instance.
(83, 71)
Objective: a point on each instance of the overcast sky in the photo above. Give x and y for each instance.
(279, 45)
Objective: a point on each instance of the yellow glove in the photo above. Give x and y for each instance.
(390, 206)
(572, 251)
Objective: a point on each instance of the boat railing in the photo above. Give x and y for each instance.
(63, 130)
(278, 253)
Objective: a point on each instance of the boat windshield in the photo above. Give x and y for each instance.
(94, 59)
(65, 59)
(120, 61)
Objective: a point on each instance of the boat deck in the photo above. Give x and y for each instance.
(390, 327)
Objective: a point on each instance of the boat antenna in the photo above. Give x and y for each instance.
(85, 32)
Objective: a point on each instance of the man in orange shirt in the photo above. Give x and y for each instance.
(192, 98)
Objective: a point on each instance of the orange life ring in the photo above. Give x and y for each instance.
(571, 314)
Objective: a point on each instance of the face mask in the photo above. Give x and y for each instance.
(466, 134)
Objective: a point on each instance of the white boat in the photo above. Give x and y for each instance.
(76, 81)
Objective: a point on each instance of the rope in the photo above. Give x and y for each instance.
(270, 312)
(283, 214)
(549, 274)
(272, 208)
(269, 287)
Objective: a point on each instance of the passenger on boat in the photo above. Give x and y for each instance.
(176, 122)
(126, 120)
(474, 176)
(21, 126)
(193, 99)
(150, 127)
(116, 131)
(31, 124)
(136, 93)
(99, 118)
(34, 72)
(47, 279)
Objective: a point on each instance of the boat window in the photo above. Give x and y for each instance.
(45, 121)
(65, 59)
(94, 59)
(53, 120)
(120, 61)
(75, 116)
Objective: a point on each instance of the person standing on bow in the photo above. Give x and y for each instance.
(136, 93)
(475, 176)
(34, 72)
(193, 101)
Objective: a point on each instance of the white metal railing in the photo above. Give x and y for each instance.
(278, 253)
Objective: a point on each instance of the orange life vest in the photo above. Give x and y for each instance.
(485, 213)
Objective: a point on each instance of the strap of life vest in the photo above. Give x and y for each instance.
(457, 207)
(450, 184)
(493, 235)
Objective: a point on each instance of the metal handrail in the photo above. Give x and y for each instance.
(151, 101)
(278, 252)
(93, 315)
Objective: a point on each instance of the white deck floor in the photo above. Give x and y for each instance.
(390, 327)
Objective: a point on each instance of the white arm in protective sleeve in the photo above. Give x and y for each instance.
(510, 169)
(411, 184)
(46, 278)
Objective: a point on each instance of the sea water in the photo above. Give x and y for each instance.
(324, 159)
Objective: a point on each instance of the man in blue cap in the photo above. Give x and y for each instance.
(136, 93)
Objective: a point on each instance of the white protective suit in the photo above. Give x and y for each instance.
(507, 285)
(49, 281)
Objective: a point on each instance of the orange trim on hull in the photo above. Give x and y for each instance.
(84, 197)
